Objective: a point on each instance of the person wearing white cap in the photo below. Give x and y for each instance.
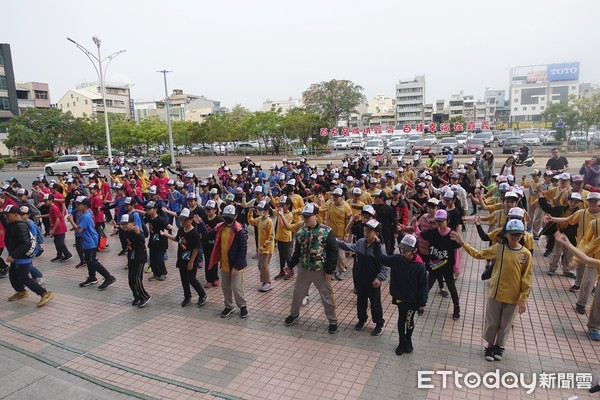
(136, 258)
(355, 204)
(535, 225)
(509, 286)
(581, 219)
(368, 274)
(408, 287)
(265, 232)
(473, 178)
(337, 215)
(160, 181)
(297, 201)
(498, 218)
(387, 217)
(284, 230)
(316, 252)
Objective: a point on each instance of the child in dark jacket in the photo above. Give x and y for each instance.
(408, 286)
(368, 274)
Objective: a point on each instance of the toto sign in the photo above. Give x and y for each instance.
(563, 72)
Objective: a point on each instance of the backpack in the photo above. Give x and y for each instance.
(144, 226)
(33, 248)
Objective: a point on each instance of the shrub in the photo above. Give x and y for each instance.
(1, 163)
(46, 153)
(165, 159)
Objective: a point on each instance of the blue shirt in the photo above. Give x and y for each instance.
(89, 238)
(137, 220)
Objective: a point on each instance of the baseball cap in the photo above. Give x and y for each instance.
(356, 191)
(125, 218)
(440, 215)
(229, 198)
(513, 195)
(369, 210)
(504, 187)
(185, 213)
(261, 206)
(337, 192)
(48, 196)
(229, 211)
(516, 212)
(21, 191)
(373, 224)
(150, 204)
(214, 191)
(592, 196)
(565, 176)
(536, 172)
(510, 178)
(291, 182)
(210, 204)
(313, 176)
(127, 200)
(258, 189)
(152, 190)
(170, 182)
(408, 242)
(433, 201)
(191, 195)
(379, 193)
(350, 178)
(501, 178)
(310, 209)
(575, 196)
(92, 186)
(515, 226)
(577, 178)
(448, 195)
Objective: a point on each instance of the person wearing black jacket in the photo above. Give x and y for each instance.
(157, 243)
(18, 244)
(136, 258)
(387, 217)
(368, 274)
(408, 287)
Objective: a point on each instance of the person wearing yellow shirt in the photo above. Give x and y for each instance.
(266, 242)
(576, 187)
(498, 218)
(337, 217)
(509, 286)
(284, 230)
(589, 245)
(535, 225)
(297, 202)
(365, 196)
(581, 218)
(355, 204)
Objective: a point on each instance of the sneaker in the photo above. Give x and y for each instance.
(341, 276)
(570, 274)
(122, 252)
(40, 252)
(551, 273)
(55, 259)
(289, 276)
(107, 282)
(332, 328)
(408, 346)
(153, 278)
(547, 253)
(217, 283)
(360, 325)
(46, 297)
(19, 295)
(279, 276)
(202, 300)
(66, 258)
(489, 354)
(255, 256)
(305, 300)
(40, 280)
(400, 350)
(579, 309)
(444, 293)
(536, 237)
(265, 287)
(185, 301)
(148, 270)
(378, 330)
(208, 285)
(594, 334)
(290, 320)
(162, 278)
(226, 312)
(243, 312)
(4, 273)
(574, 288)
(81, 264)
(136, 302)
(456, 313)
(498, 353)
(88, 282)
(144, 302)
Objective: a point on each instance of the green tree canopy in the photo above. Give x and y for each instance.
(333, 99)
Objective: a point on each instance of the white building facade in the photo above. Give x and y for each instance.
(410, 101)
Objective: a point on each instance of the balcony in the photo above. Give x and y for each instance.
(26, 103)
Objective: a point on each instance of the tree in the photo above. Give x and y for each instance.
(565, 112)
(588, 110)
(333, 99)
(301, 124)
(266, 127)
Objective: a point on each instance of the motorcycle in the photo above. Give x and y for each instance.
(400, 160)
(23, 164)
(519, 162)
(417, 158)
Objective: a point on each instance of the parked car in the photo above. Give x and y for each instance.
(374, 146)
(357, 144)
(462, 140)
(400, 146)
(432, 139)
(532, 139)
(486, 137)
(73, 164)
(449, 144)
(342, 143)
(421, 145)
(547, 136)
(412, 139)
(473, 146)
(204, 150)
(502, 136)
(245, 147)
(512, 144)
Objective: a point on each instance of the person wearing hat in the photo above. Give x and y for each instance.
(119, 205)
(21, 248)
(442, 256)
(297, 201)
(157, 243)
(498, 218)
(136, 258)
(337, 217)
(576, 187)
(265, 233)
(399, 206)
(419, 199)
(316, 251)
(355, 204)
(387, 217)
(284, 230)
(368, 274)
(35, 232)
(188, 248)
(509, 286)
(211, 220)
(58, 229)
(408, 287)
(581, 219)
(160, 181)
(535, 225)
(230, 248)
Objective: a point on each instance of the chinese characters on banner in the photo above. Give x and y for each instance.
(445, 127)
(406, 128)
(378, 129)
(485, 125)
(334, 131)
(458, 127)
(356, 131)
(367, 130)
(419, 127)
(389, 129)
(324, 132)
(471, 125)
(345, 131)
(432, 127)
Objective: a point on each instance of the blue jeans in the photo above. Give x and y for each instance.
(35, 273)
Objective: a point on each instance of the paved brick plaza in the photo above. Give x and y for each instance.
(165, 351)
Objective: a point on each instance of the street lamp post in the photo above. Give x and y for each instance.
(101, 77)
(167, 103)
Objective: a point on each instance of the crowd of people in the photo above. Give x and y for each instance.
(354, 219)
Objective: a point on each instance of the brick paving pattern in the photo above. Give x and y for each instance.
(168, 352)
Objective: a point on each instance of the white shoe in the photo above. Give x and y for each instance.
(305, 300)
(266, 287)
(40, 280)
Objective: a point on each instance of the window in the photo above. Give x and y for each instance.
(71, 95)
(41, 95)
(515, 100)
(573, 87)
(542, 99)
(533, 108)
(86, 102)
(516, 109)
(3, 83)
(524, 108)
(109, 103)
(542, 107)
(516, 91)
(1, 59)
(4, 104)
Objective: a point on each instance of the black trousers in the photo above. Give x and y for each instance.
(18, 275)
(365, 293)
(61, 247)
(285, 253)
(549, 242)
(211, 274)
(157, 261)
(406, 322)
(107, 214)
(46, 220)
(188, 278)
(135, 272)
(122, 239)
(93, 265)
(78, 241)
(447, 273)
(389, 246)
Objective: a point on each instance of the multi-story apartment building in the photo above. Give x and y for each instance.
(86, 99)
(410, 101)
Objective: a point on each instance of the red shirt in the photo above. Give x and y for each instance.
(55, 215)
(161, 187)
(59, 200)
(106, 193)
(96, 202)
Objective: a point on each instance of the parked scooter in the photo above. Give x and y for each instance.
(23, 163)
(400, 160)
(417, 158)
(519, 162)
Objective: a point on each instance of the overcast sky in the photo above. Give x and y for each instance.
(248, 51)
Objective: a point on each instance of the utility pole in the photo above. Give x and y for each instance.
(167, 105)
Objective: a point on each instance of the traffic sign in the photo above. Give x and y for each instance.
(560, 124)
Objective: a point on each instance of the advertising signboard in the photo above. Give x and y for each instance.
(563, 72)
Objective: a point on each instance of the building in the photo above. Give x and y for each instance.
(147, 109)
(587, 89)
(410, 101)
(428, 113)
(197, 110)
(32, 95)
(533, 88)
(494, 101)
(9, 106)
(86, 99)
(284, 105)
